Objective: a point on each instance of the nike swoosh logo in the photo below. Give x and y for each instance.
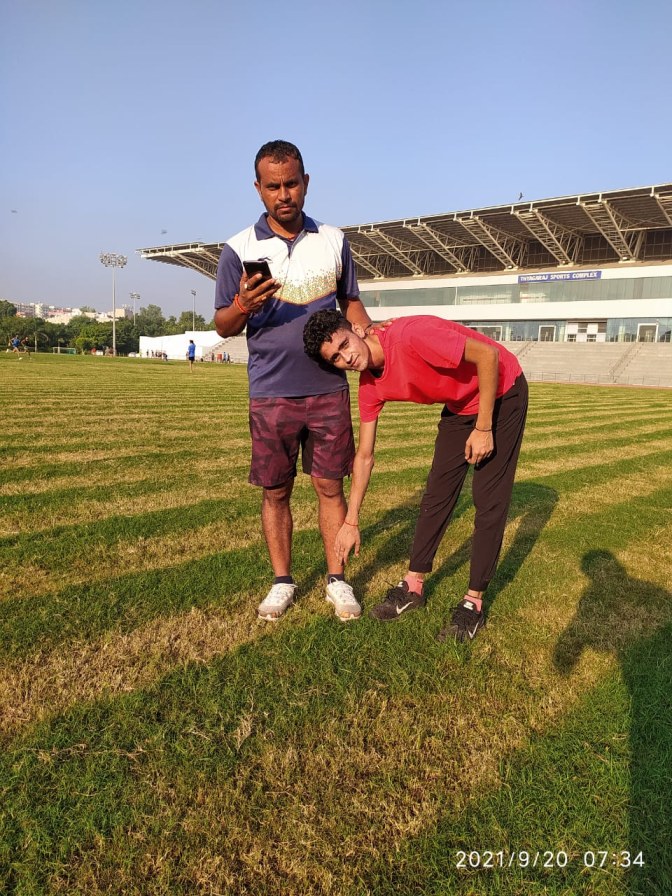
(400, 610)
(472, 635)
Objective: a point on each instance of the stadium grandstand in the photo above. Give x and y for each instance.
(589, 268)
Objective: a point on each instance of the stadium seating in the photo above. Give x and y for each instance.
(635, 363)
(234, 346)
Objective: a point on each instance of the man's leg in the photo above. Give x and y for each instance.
(277, 523)
(275, 427)
(327, 456)
(332, 509)
(331, 513)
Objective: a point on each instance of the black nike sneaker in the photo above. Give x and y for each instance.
(464, 623)
(398, 600)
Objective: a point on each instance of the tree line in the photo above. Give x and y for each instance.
(85, 334)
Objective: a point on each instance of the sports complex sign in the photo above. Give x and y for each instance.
(559, 275)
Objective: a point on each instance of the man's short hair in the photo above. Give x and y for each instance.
(319, 329)
(278, 151)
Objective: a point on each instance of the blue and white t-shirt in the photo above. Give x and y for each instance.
(315, 269)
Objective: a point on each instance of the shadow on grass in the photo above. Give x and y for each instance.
(83, 612)
(59, 546)
(623, 615)
(104, 494)
(582, 787)
(133, 762)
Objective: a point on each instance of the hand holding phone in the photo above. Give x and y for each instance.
(258, 267)
(256, 286)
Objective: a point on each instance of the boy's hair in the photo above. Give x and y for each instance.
(319, 329)
(278, 151)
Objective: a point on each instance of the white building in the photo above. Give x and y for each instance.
(175, 347)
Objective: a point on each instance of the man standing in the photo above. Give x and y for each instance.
(191, 355)
(429, 360)
(294, 401)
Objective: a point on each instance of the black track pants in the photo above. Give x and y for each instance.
(491, 489)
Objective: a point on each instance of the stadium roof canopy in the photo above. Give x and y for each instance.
(632, 225)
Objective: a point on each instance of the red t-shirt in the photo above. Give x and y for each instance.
(424, 363)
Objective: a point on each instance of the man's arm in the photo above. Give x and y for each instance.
(485, 357)
(353, 310)
(232, 319)
(234, 302)
(347, 290)
(349, 536)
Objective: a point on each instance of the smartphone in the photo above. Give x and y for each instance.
(258, 267)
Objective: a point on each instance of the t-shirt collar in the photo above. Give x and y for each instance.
(262, 230)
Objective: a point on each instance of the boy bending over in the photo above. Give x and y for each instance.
(428, 360)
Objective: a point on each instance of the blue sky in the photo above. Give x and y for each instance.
(119, 120)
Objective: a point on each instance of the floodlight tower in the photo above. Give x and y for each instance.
(136, 298)
(193, 309)
(114, 261)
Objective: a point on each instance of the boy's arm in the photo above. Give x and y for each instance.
(485, 357)
(349, 536)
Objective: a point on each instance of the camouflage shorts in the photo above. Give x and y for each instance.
(319, 424)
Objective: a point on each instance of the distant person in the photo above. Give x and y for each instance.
(296, 404)
(428, 360)
(25, 349)
(15, 345)
(191, 355)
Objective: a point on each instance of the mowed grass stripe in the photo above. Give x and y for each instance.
(272, 765)
(45, 480)
(226, 578)
(94, 551)
(136, 499)
(46, 666)
(112, 462)
(409, 701)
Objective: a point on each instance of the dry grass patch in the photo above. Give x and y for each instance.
(89, 510)
(389, 768)
(106, 561)
(51, 682)
(592, 498)
(530, 468)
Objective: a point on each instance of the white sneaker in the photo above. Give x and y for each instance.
(276, 601)
(345, 603)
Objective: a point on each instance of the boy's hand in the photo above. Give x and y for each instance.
(348, 538)
(479, 447)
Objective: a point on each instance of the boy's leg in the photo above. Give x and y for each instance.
(444, 483)
(493, 485)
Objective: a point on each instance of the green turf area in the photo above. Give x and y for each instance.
(158, 739)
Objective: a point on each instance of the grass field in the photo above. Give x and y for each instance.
(158, 739)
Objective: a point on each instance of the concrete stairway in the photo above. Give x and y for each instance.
(640, 363)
